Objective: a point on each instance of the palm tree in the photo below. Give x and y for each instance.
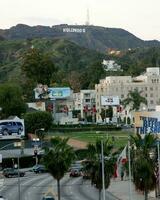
(134, 99)
(94, 166)
(144, 166)
(58, 159)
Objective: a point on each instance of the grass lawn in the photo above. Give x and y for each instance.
(119, 138)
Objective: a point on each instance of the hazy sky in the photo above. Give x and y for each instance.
(140, 17)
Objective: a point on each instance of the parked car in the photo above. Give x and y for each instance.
(39, 169)
(11, 172)
(9, 127)
(75, 173)
(48, 198)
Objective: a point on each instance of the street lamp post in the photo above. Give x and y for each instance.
(16, 144)
(37, 139)
(129, 163)
(102, 160)
(158, 166)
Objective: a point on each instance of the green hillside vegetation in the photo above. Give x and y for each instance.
(135, 61)
(77, 67)
(73, 63)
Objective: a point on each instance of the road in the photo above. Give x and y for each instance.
(34, 186)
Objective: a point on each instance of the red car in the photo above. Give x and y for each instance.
(75, 173)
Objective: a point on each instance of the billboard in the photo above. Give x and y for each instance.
(43, 92)
(109, 100)
(12, 128)
(147, 122)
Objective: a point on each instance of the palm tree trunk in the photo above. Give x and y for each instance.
(58, 189)
(146, 194)
(99, 194)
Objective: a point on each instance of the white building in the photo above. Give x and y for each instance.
(148, 84)
(111, 65)
(85, 102)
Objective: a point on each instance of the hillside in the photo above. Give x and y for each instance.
(77, 67)
(67, 57)
(91, 37)
(134, 62)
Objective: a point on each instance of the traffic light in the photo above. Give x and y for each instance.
(35, 152)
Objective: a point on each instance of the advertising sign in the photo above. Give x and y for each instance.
(43, 92)
(147, 122)
(12, 128)
(109, 100)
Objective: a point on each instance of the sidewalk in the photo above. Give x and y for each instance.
(120, 189)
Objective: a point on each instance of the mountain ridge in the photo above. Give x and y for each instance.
(95, 37)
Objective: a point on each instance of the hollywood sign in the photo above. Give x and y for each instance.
(74, 30)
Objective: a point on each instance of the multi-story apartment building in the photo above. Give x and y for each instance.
(84, 101)
(148, 84)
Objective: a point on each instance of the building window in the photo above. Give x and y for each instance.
(146, 95)
(146, 88)
(87, 100)
(151, 95)
(151, 102)
(122, 95)
(87, 95)
(151, 88)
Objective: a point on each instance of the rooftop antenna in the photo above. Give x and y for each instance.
(87, 21)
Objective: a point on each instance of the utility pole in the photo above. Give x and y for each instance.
(102, 160)
(129, 163)
(18, 144)
(158, 167)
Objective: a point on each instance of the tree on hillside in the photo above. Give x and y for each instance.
(144, 166)
(11, 100)
(38, 67)
(95, 73)
(134, 100)
(94, 164)
(58, 159)
(74, 80)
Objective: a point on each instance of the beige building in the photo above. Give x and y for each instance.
(84, 101)
(148, 84)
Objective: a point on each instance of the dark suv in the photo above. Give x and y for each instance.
(39, 169)
(9, 127)
(11, 172)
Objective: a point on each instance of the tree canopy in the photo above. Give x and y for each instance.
(37, 120)
(38, 66)
(144, 165)
(11, 100)
(134, 100)
(94, 164)
(58, 159)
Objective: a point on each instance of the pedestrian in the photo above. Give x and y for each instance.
(115, 171)
(122, 175)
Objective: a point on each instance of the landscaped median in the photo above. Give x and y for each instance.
(119, 138)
